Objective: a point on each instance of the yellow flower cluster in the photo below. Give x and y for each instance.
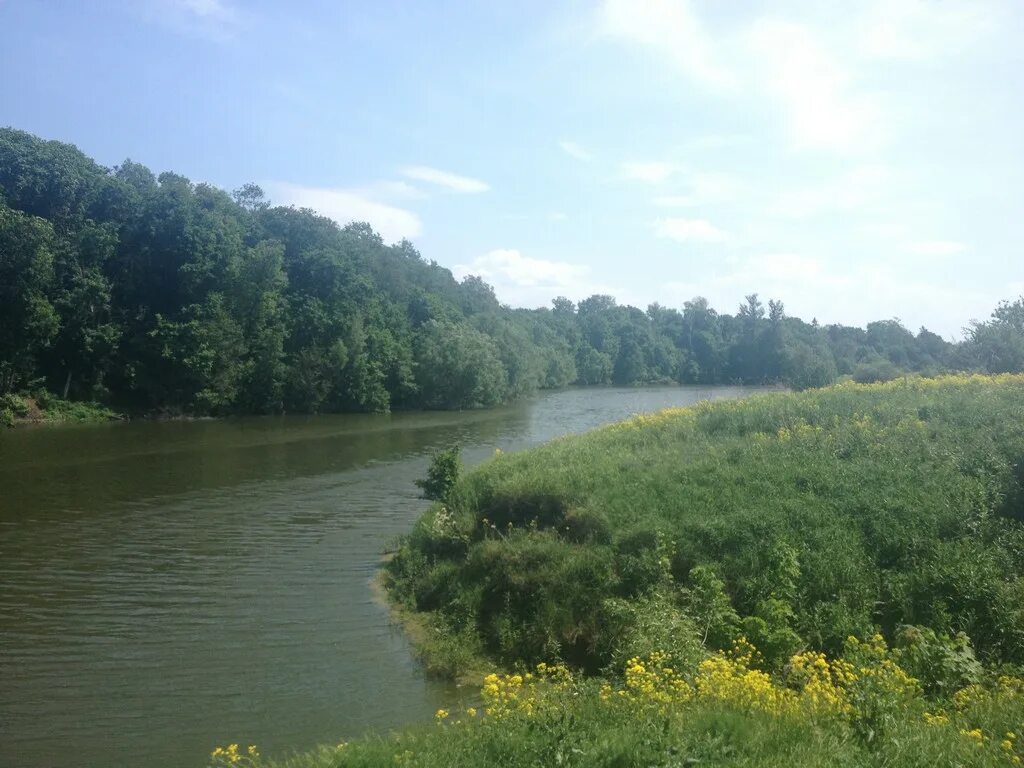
(230, 755)
(1009, 747)
(1006, 690)
(876, 669)
(939, 718)
(800, 431)
(922, 384)
(504, 695)
(822, 683)
(651, 681)
(730, 681)
(812, 686)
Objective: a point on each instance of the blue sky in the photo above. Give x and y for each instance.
(858, 159)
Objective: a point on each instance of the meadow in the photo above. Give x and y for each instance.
(830, 577)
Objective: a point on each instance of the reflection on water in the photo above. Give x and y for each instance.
(168, 586)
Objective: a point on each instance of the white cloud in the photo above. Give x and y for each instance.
(650, 172)
(572, 149)
(215, 20)
(671, 28)
(347, 205)
(937, 248)
(530, 282)
(207, 9)
(809, 75)
(689, 230)
(558, 216)
(815, 91)
(450, 181)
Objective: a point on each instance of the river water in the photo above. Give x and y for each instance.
(166, 587)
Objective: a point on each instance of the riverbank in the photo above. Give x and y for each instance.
(461, 666)
(829, 578)
(861, 710)
(233, 537)
(19, 410)
(801, 518)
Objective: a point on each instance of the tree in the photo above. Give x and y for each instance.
(150, 291)
(82, 296)
(458, 367)
(442, 475)
(28, 321)
(997, 346)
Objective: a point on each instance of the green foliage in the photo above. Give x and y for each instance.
(713, 615)
(458, 367)
(941, 662)
(28, 321)
(149, 292)
(651, 623)
(998, 345)
(655, 709)
(795, 519)
(442, 474)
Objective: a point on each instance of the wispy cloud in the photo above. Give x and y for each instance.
(445, 179)
(690, 230)
(672, 29)
(572, 149)
(217, 20)
(808, 75)
(348, 205)
(821, 106)
(526, 281)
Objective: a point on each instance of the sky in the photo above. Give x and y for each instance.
(857, 159)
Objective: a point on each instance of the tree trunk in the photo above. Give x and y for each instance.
(67, 384)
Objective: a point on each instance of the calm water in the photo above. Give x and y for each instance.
(165, 587)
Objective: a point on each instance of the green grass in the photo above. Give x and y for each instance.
(729, 721)
(795, 521)
(820, 515)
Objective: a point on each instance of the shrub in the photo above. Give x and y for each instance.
(442, 475)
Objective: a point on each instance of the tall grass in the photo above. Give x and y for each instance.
(800, 519)
(829, 578)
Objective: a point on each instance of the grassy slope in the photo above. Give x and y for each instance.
(792, 519)
(849, 508)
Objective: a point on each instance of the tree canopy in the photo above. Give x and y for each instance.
(150, 292)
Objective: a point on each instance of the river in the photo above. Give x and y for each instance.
(166, 587)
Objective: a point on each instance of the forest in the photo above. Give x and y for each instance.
(151, 294)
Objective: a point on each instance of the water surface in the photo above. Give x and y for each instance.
(165, 587)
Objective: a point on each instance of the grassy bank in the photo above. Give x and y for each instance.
(863, 709)
(797, 519)
(824, 578)
(48, 409)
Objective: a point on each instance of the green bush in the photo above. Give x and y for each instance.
(798, 518)
(442, 475)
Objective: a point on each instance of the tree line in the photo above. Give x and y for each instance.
(152, 293)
